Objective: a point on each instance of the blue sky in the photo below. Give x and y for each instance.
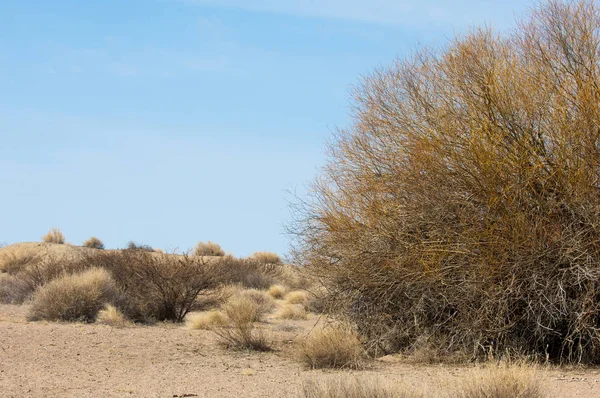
(168, 122)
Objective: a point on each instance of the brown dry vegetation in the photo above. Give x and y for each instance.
(208, 249)
(334, 346)
(54, 236)
(94, 243)
(77, 297)
(461, 210)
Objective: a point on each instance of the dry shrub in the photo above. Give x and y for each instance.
(291, 311)
(139, 247)
(94, 243)
(266, 258)
(277, 291)
(159, 287)
(207, 320)
(241, 332)
(249, 273)
(54, 236)
(296, 297)
(208, 249)
(499, 381)
(353, 387)
(112, 316)
(461, 207)
(335, 346)
(77, 297)
(27, 272)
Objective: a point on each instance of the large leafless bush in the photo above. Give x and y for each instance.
(461, 210)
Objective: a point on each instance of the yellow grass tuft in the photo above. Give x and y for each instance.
(352, 387)
(277, 291)
(334, 346)
(266, 258)
(111, 316)
(54, 236)
(291, 311)
(296, 297)
(500, 381)
(207, 320)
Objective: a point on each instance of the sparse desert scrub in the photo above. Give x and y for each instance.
(291, 311)
(94, 243)
(207, 320)
(461, 207)
(208, 249)
(26, 272)
(112, 316)
(241, 332)
(158, 286)
(262, 299)
(277, 291)
(77, 297)
(54, 236)
(502, 380)
(354, 387)
(266, 258)
(139, 246)
(249, 273)
(334, 346)
(296, 297)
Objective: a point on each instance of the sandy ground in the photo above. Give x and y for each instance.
(40, 359)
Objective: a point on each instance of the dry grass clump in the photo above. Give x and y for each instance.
(77, 297)
(461, 207)
(277, 291)
(207, 320)
(334, 346)
(241, 332)
(262, 299)
(266, 258)
(94, 243)
(112, 316)
(292, 311)
(208, 249)
(353, 387)
(54, 236)
(499, 381)
(296, 297)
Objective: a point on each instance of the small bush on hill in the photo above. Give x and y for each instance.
(77, 297)
(94, 243)
(208, 249)
(54, 236)
(140, 247)
(266, 258)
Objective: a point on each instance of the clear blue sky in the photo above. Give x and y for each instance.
(168, 122)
